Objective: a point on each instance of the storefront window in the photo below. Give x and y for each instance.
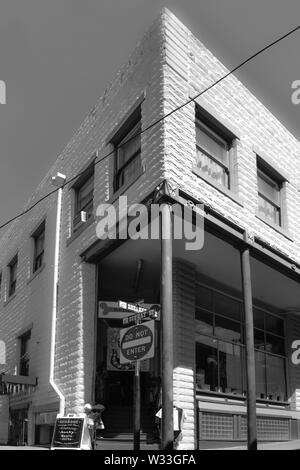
(207, 363)
(220, 350)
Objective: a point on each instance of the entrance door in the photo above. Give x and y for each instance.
(114, 383)
(19, 427)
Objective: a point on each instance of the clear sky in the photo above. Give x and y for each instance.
(57, 56)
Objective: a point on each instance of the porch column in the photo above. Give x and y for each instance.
(167, 327)
(250, 354)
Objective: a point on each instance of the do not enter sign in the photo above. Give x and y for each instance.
(137, 342)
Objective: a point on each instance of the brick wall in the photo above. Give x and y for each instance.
(184, 351)
(140, 78)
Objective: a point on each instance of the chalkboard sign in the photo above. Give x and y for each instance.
(68, 432)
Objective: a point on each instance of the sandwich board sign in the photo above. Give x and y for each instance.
(137, 342)
(71, 433)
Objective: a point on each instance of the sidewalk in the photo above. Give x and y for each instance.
(289, 445)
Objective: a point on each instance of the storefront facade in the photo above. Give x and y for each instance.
(223, 151)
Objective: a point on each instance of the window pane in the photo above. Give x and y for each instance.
(268, 187)
(211, 144)
(227, 329)
(274, 325)
(226, 306)
(85, 195)
(131, 171)
(274, 344)
(268, 211)
(259, 339)
(230, 360)
(206, 363)
(259, 319)
(204, 323)
(276, 378)
(203, 297)
(212, 168)
(127, 150)
(260, 374)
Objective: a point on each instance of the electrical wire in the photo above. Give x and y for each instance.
(205, 90)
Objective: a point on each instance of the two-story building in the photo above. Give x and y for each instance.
(60, 282)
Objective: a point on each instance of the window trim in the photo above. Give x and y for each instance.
(13, 262)
(130, 129)
(25, 335)
(269, 172)
(36, 235)
(241, 344)
(218, 131)
(86, 174)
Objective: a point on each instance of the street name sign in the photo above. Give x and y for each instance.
(143, 312)
(137, 342)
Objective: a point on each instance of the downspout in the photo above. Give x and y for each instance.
(57, 180)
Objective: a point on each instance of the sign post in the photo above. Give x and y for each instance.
(137, 342)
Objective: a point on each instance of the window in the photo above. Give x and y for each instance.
(214, 144)
(84, 197)
(39, 246)
(13, 267)
(127, 142)
(24, 353)
(269, 196)
(220, 347)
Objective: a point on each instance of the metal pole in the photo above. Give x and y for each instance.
(167, 435)
(136, 407)
(250, 354)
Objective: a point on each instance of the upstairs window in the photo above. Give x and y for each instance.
(84, 197)
(269, 196)
(24, 353)
(13, 268)
(127, 142)
(39, 247)
(212, 154)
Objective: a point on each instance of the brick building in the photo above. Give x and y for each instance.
(225, 150)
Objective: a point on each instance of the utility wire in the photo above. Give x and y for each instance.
(96, 162)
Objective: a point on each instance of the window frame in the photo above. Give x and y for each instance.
(24, 339)
(38, 257)
(130, 130)
(200, 124)
(264, 175)
(221, 132)
(241, 343)
(13, 269)
(87, 175)
(278, 178)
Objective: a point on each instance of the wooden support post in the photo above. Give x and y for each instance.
(250, 354)
(167, 328)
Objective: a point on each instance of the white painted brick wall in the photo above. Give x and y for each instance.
(141, 74)
(166, 65)
(190, 68)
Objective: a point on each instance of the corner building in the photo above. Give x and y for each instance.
(60, 283)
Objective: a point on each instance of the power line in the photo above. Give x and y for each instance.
(96, 162)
